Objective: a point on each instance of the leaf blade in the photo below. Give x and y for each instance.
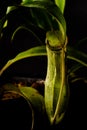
(34, 97)
(35, 51)
(61, 4)
(52, 9)
(76, 55)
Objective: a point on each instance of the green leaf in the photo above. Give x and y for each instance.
(27, 29)
(50, 16)
(60, 4)
(31, 96)
(34, 97)
(12, 89)
(11, 8)
(35, 51)
(74, 68)
(76, 55)
(43, 20)
(77, 60)
(2, 21)
(52, 10)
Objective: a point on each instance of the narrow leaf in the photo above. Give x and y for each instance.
(34, 97)
(12, 89)
(35, 51)
(52, 9)
(27, 29)
(74, 68)
(76, 55)
(2, 21)
(60, 4)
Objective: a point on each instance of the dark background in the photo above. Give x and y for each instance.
(76, 18)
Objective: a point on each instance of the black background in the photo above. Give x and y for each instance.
(76, 18)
